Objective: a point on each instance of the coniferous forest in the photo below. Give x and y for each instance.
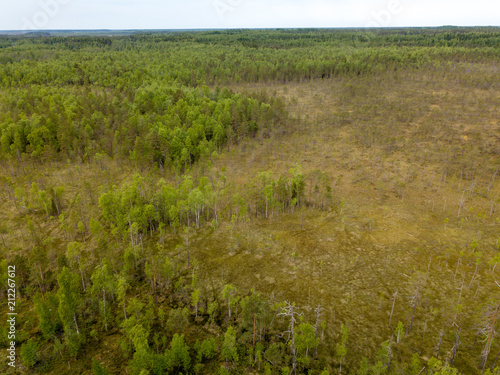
(307, 201)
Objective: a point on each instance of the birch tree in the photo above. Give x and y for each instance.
(103, 286)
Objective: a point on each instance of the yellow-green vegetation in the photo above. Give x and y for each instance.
(260, 202)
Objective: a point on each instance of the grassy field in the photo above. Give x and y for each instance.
(397, 159)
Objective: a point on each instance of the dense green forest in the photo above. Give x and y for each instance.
(251, 202)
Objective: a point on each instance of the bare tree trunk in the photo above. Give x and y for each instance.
(104, 308)
(489, 330)
(393, 303)
(81, 273)
(316, 329)
(413, 312)
(461, 203)
(389, 354)
(441, 334)
(495, 362)
(455, 347)
(294, 369)
(253, 343)
(458, 301)
(154, 287)
(288, 311)
(41, 276)
(187, 247)
(76, 324)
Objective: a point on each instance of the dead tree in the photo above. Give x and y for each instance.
(289, 312)
(438, 349)
(460, 204)
(455, 347)
(457, 310)
(316, 328)
(415, 298)
(488, 330)
(395, 295)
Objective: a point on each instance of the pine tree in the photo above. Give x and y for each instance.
(97, 368)
(229, 350)
(29, 353)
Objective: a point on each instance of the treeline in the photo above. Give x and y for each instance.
(194, 64)
(162, 125)
(143, 207)
(146, 205)
(371, 37)
(288, 38)
(218, 57)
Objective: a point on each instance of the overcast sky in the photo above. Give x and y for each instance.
(196, 14)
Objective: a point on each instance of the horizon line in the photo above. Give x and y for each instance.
(247, 28)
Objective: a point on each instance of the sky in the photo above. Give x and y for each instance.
(210, 14)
